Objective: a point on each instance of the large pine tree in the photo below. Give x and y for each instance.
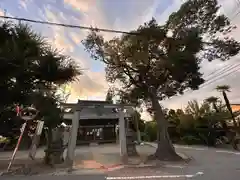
(156, 62)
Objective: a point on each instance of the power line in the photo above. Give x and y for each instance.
(237, 12)
(86, 28)
(221, 77)
(69, 25)
(223, 70)
(212, 80)
(216, 77)
(218, 73)
(234, 16)
(80, 27)
(217, 70)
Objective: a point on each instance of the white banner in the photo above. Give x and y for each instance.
(36, 139)
(39, 127)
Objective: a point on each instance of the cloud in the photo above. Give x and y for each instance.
(131, 19)
(24, 3)
(120, 15)
(145, 10)
(58, 39)
(99, 16)
(1, 12)
(91, 84)
(91, 13)
(81, 5)
(224, 76)
(162, 16)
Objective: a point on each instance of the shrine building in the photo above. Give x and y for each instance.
(98, 120)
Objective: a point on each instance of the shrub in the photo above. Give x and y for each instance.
(190, 140)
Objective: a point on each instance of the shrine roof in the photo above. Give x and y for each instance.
(96, 109)
(93, 102)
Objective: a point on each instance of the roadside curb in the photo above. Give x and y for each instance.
(183, 155)
(114, 167)
(217, 150)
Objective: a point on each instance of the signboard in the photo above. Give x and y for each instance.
(27, 114)
(36, 138)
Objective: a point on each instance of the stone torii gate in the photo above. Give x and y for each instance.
(123, 111)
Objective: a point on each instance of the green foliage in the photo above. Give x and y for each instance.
(151, 131)
(156, 62)
(31, 71)
(191, 140)
(110, 95)
(3, 139)
(168, 64)
(138, 122)
(196, 110)
(197, 124)
(224, 89)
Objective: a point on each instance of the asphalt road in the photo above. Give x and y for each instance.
(206, 164)
(215, 164)
(64, 177)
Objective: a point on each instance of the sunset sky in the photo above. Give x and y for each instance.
(121, 15)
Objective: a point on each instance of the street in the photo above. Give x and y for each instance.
(206, 164)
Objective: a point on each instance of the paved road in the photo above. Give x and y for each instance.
(207, 164)
(216, 164)
(48, 177)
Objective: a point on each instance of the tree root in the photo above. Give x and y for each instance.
(166, 157)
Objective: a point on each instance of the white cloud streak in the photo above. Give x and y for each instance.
(92, 13)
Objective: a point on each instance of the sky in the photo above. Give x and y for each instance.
(123, 15)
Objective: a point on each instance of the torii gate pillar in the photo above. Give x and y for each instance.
(73, 138)
(122, 136)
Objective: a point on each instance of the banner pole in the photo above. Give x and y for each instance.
(17, 146)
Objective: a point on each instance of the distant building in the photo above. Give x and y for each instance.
(98, 120)
(235, 107)
(236, 112)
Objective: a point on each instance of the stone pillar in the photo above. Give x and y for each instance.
(117, 133)
(122, 136)
(131, 146)
(73, 138)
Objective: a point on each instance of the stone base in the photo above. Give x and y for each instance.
(131, 150)
(93, 144)
(54, 156)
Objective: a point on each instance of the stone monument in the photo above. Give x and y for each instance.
(56, 148)
(130, 140)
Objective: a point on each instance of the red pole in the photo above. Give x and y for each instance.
(18, 110)
(17, 146)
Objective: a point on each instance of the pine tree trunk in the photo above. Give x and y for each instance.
(165, 150)
(223, 123)
(230, 110)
